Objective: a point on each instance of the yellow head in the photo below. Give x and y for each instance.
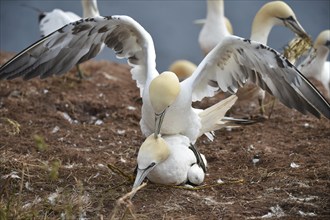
(276, 9)
(163, 91)
(183, 69)
(276, 13)
(153, 151)
(323, 39)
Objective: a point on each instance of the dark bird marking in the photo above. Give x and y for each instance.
(79, 28)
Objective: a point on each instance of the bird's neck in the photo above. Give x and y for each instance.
(261, 27)
(215, 9)
(90, 8)
(322, 53)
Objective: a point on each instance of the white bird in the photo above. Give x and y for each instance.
(270, 15)
(57, 18)
(316, 65)
(169, 160)
(226, 68)
(214, 29)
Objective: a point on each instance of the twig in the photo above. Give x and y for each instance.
(21, 185)
(126, 200)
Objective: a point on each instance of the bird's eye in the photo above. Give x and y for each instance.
(327, 43)
(151, 165)
(290, 18)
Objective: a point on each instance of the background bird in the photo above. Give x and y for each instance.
(276, 13)
(316, 65)
(182, 68)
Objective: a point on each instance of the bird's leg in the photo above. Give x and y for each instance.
(198, 156)
(80, 73)
(262, 107)
(261, 99)
(272, 107)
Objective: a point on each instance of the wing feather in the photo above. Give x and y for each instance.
(236, 60)
(82, 40)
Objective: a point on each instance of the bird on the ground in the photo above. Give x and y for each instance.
(276, 13)
(316, 65)
(169, 160)
(226, 68)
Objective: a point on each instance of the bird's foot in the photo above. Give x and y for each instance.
(257, 118)
(80, 73)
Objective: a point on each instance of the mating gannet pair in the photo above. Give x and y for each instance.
(173, 159)
(226, 68)
(276, 13)
(316, 65)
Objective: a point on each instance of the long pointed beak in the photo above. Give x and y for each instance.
(295, 26)
(158, 122)
(200, 22)
(141, 175)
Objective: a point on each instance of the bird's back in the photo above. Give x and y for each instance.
(55, 19)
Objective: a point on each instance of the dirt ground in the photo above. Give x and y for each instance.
(58, 136)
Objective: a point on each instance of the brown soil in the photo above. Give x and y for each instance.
(53, 165)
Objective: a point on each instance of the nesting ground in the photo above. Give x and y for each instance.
(58, 136)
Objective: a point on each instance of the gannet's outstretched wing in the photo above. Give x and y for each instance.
(81, 40)
(234, 61)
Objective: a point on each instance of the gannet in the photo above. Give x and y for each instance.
(276, 13)
(316, 65)
(226, 68)
(214, 29)
(57, 18)
(182, 68)
(169, 160)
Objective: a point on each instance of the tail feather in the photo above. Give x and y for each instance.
(212, 117)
